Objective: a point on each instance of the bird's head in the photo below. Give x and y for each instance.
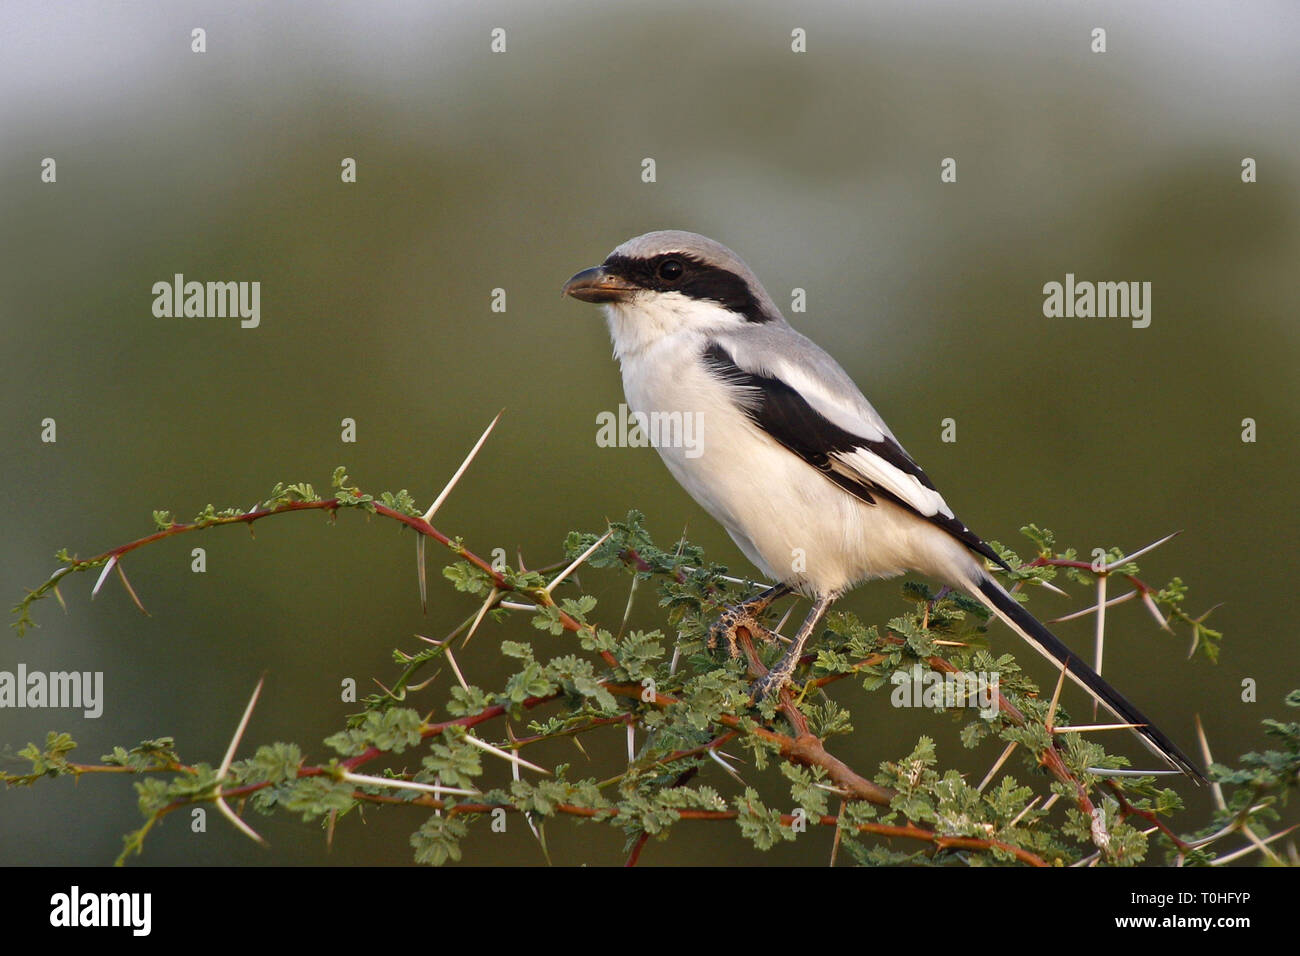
(669, 282)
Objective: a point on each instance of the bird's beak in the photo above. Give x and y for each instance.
(598, 285)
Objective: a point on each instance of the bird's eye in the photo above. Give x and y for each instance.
(670, 270)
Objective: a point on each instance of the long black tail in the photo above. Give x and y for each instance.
(989, 592)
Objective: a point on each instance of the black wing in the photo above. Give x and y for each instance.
(784, 414)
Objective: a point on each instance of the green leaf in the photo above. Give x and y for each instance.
(438, 840)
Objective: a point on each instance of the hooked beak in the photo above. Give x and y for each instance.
(598, 285)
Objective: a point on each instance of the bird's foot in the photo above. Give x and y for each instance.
(746, 615)
(770, 684)
(732, 620)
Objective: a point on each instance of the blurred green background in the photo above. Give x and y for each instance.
(479, 170)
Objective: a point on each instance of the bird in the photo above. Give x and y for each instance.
(790, 457)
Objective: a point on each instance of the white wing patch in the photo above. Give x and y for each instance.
(866, 465)
(855, 415)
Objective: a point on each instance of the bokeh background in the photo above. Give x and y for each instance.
(480, 170)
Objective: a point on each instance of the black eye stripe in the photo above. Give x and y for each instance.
(698, 280)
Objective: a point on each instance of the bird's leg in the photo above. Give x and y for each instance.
(745, 614)
(776, 678)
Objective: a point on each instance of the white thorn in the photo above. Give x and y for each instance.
(996, 766)
(1216, 789)
(776, 631)
(577, 561)
(627, 611)
(1100, 639)
(437, 503)
(514, 774)
(482, 612)
(1141, 551)
(1086, 728)
(1229, 828)
(455, 668)
(1056, 695)
(1155, 611)
(505, 755)
(103, 575)
(240, 825)
(516, 606)
(1260, 845)
(830, 789)
(437, 789)
(1044, 583)
(1028, 806)
(725, 766)
(419, 572)
(1092, 608)
(239, 731)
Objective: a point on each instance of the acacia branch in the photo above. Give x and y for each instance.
(800, 746)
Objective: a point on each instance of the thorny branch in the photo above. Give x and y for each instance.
(800, 747)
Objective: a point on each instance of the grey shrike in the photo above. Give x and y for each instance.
(793, 460)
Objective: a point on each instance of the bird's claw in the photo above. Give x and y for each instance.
(768, 685)
(730, 621)
(781, 674)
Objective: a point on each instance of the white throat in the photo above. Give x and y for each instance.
(649, 317)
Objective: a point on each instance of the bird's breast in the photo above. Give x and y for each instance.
(792, 522)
